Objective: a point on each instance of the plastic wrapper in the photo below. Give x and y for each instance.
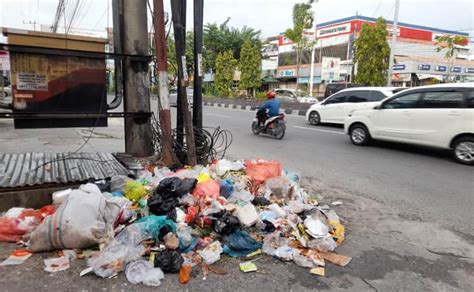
(279, 186)
(303, 261)
(244, 196)
(272, 242)
(277, 210)
(325, 243)
(222, 166)
(240, 244)
(169, 261)
(209, 189)
(134, 190)
(261, 170)
(285, 253)
(212, 253)
(246, 214)
(141, 271)
(185, 273)
(186, 241)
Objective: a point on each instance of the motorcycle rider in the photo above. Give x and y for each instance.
(273, 107)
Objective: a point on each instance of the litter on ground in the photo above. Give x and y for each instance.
(165, 221)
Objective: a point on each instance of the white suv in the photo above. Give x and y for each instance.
(338, 106)
(438, 116)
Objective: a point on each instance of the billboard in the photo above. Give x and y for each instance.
(330, 69)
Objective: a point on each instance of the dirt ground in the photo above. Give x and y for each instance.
(392, 250)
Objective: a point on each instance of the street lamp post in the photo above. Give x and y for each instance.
(311, 71)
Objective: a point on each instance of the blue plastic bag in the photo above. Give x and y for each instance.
(240, 244)
(227, 188)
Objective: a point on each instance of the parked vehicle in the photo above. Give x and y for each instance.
(439, 116)
(274, 126)
(332, 88)
(174, 96)
(337, 107)
(292, 95)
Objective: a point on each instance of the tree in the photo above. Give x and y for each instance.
(171, 51)
(372, 54)
(302, 20)
(450, 44)
(225, 68)
(220, 38)
(250, 67)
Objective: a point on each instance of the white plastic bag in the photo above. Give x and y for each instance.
(212, 253)
(81, 221)
(247, 214)
(142, 271)
(224, 165)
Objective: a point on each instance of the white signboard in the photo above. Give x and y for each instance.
(331, 68)
(31, 81)
(4, 61)
(333, 30)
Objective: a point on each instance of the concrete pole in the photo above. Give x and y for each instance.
(138, 137)
(311, 71)
(394, 42)
(167, 154)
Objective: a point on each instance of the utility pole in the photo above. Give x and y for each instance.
(394, 42)
(167, 154)
(117, 21)
(181, 9)
(183, 80)
(138, 139)
(198, 70)
(311, 71)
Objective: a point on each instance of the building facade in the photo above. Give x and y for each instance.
(416, 60)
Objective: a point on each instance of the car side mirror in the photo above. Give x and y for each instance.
(378, 107)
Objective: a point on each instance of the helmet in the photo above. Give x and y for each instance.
(270, 94)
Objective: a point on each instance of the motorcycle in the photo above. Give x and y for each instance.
(274, 126)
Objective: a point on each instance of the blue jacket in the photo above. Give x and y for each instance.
(273, 107)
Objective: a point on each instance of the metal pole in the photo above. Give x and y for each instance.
(117, 19)
(138, 139)
(198, 70)
(167, 154)
(394, 42)
(183, 81)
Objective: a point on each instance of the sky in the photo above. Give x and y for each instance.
(271, 17)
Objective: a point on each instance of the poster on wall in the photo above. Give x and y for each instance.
(330, 69)
(31, 81)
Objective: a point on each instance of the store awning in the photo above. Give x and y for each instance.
(429, 76)
(269, 79)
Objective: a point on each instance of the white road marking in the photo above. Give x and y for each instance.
(217, 115)
(319, 130)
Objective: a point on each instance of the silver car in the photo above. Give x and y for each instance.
(174, 96)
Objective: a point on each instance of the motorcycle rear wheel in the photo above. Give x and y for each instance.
(281, 132)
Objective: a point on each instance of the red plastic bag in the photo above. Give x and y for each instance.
(262, 170)
(9, 230)
(192, 213)
(38, 214)
(209, 189)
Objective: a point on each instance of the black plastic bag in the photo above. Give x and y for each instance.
(269, 227)
(261, 201)
(175, 187)
(159, 205)
(169, 261)
(225, 223)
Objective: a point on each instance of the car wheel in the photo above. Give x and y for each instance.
(463, 150)
(314, 118)
(359, 135)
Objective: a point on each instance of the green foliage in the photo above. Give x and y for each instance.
(302, 20)
(250, 66)
(261, 95)
(171, 51)
(220, 38)
(450, 44)
(225, 67)
(372, 54)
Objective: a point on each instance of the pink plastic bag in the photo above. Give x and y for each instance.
(9, 230)
(262, 170)
(209, 189)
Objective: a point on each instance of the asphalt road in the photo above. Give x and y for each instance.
(424, 183)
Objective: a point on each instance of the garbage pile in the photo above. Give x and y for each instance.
(168, 221)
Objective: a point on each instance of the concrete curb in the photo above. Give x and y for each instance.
(252, 108)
